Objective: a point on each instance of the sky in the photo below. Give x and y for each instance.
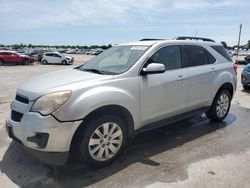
(89, 22)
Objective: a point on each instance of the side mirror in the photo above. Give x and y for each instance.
(154, 68)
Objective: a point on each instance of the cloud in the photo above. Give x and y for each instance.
(28, 14)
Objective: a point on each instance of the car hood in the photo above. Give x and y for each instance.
(67, 79)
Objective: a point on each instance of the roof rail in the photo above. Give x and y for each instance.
(151, 39)
(194, 38)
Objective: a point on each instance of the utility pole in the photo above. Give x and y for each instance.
(239, 40)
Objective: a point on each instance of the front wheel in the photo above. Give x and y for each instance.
(64, 62)
(221, 106)
(103, 140)
(26, 62)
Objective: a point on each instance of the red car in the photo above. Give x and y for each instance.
(14, 57)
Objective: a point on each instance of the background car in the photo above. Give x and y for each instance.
(57, 58)
(14, 57)
(245, 77)
(247, 59)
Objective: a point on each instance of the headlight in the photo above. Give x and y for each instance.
(49, 103)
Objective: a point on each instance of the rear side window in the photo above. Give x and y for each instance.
(56, 55)
(169, 56)
(5, 53)
(221, 50)
(196, 56)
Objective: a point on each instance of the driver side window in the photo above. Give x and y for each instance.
(169, 56)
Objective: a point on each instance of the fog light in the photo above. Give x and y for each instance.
(41, 139)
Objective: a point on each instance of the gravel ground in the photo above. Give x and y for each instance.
(191, 153)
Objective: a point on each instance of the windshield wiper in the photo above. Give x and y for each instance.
(94, 71)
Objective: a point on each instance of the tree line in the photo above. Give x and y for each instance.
(247, 46)
(21, 46)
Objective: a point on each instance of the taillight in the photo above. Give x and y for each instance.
(235, 68)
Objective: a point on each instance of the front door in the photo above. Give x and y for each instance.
(163, 95)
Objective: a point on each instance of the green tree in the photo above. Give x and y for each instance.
(224, 44)
(248, 44)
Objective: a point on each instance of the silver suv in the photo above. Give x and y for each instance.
(95, 107)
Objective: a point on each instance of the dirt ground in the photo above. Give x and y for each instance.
(191, 153)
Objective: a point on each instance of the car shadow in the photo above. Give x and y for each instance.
(26, 171)
(15, 64)
(246, 90)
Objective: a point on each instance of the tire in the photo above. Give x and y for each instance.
(64, 62)
(220, 107)
(245, 87)
(26, 62)
(1, 62)
(99, 149)
(44, 62)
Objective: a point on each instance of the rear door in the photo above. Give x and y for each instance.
(199, 64)
(163, 95)
(11, 57)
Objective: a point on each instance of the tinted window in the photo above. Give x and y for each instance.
(6, 53)
(56, 55)
(221, 50)
(196, 56)
(49, 54)
(169, 56)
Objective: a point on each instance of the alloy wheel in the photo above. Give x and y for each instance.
(222, 105)
(105, 141)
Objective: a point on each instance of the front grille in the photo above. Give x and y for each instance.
(16, 116)
(22, 99)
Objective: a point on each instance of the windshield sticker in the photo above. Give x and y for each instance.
(138, 48)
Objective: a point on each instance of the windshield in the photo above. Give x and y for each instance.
(115, 60)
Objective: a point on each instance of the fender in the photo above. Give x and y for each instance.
(93, 99)
(222, 78)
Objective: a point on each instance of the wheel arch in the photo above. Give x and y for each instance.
(118, 110)
(228, 86)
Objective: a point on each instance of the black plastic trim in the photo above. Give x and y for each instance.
(172, 120)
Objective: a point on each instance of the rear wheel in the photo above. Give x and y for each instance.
(1, 62)
(221, 106)
(245, 87)
(45, 62)
(103, 140)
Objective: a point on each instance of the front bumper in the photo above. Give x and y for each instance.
(51, 158)
(43, 136)
(70, 61)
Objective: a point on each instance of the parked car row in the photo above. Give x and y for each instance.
(243, 61)
(7, 57)
(94, 51)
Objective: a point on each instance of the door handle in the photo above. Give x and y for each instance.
(180, 78)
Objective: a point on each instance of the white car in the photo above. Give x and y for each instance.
(57, 58)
